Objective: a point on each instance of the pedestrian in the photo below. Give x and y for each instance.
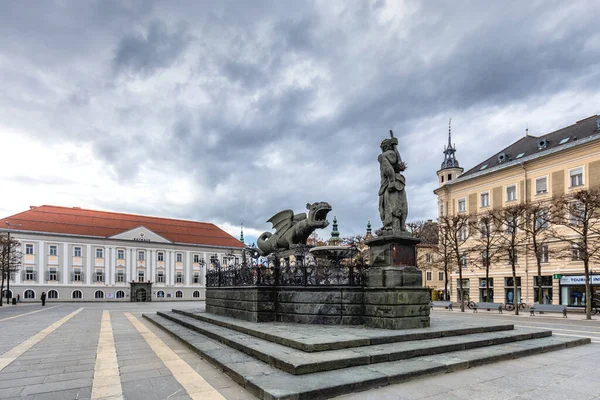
(18, 298)
(43, 297)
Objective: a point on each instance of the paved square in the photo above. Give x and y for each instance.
(106, 350)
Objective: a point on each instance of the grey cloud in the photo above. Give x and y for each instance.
(154, 49)
(244, 93)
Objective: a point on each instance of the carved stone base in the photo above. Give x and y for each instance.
(397, 308)
(393, 259)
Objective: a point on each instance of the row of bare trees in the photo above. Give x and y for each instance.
(567, 227)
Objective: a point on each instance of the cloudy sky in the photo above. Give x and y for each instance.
(229, 111)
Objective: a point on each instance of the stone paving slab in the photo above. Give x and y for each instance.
(299, 362)
(268, 382)
(309, 338)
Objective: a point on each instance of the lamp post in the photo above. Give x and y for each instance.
(8, 225)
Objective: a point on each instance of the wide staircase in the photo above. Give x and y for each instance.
(294, 361)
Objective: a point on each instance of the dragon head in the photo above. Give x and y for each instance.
(317, 214)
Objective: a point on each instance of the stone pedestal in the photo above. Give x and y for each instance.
(395, 297)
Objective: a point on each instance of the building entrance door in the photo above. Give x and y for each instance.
(140, 295)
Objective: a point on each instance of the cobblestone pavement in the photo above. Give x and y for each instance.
(106, 350)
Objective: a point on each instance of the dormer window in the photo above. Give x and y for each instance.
(449, 177)
(542, 144)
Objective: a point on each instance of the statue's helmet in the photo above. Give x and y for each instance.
(388, 144)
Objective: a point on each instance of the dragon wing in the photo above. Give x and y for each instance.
(282, 221)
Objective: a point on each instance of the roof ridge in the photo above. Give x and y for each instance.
(118, 213)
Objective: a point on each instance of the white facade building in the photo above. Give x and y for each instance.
(74, 254)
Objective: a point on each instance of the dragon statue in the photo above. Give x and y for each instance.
(292, 230)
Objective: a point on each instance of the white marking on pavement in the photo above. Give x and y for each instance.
(558, 329)
(192, 382)
(32, 312)
(107, 378)
(18, 350)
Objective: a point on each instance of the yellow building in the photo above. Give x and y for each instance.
(530, 170)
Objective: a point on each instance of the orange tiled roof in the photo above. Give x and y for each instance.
(77, 221)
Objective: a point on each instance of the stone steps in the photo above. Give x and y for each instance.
(268, 382)
(328, 337)
(298, 362)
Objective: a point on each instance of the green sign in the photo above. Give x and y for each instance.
(556, 276)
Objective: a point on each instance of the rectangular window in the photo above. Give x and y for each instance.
(160, 277)
(28, 249)
(576, 177)
(541, 219)
(484, 258)
(99, 253)
(463, 233)
(440, 276)
(544, 256)
(512, 256)
(484, 229)
(179, 257)
(575, 253)
(463, 261)
(511, 193)
(29, 274)
(485, 199)
(214, 260)
(141, 255)
(541, 185)
(441, 210)
(76, 251)
(511, 225)
(160, 256)
(196, 258)
(140, 276)
(509, 282)
(196, 277)
(77, 275)
(120, 276)
(428, 275)
(428, 258)
(576, 213)
(99, 275)
(179, 277)
(120, 254)
(52, 275)
(53, 250)
(462, 205)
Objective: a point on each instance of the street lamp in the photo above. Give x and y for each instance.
(8, 225)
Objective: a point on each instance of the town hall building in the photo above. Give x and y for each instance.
(74, 254)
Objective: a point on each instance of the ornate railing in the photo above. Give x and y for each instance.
(301, 270)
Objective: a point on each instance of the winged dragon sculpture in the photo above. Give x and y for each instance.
(292, 230)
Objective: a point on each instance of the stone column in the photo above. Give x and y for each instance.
(41, 262)
(65, 259)
(88, 264)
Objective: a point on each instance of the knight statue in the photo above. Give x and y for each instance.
(393, 205)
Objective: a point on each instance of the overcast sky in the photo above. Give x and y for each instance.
(230, 111)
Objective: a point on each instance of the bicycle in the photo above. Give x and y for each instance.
(511, 306)
(470, 304)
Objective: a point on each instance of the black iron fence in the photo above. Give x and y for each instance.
(298, 270)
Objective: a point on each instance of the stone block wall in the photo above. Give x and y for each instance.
(255, 304)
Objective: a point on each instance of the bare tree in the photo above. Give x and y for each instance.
(10, 260)
(485, 241)
(538, 231)
(579, 215)
(427, 231)
(315, 240)
(454, 231)
(512, 240)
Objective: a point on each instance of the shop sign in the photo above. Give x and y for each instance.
(556, 276)
(579, 280)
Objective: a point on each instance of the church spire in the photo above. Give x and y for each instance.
(335, 234)
(450, 160)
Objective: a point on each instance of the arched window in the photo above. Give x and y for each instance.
(29, 294)
(179, 293)
(99, 294)
(76, 294)
(52, 294)
(160, 293)
(196, 294)
(120, 294)
(5, 291)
